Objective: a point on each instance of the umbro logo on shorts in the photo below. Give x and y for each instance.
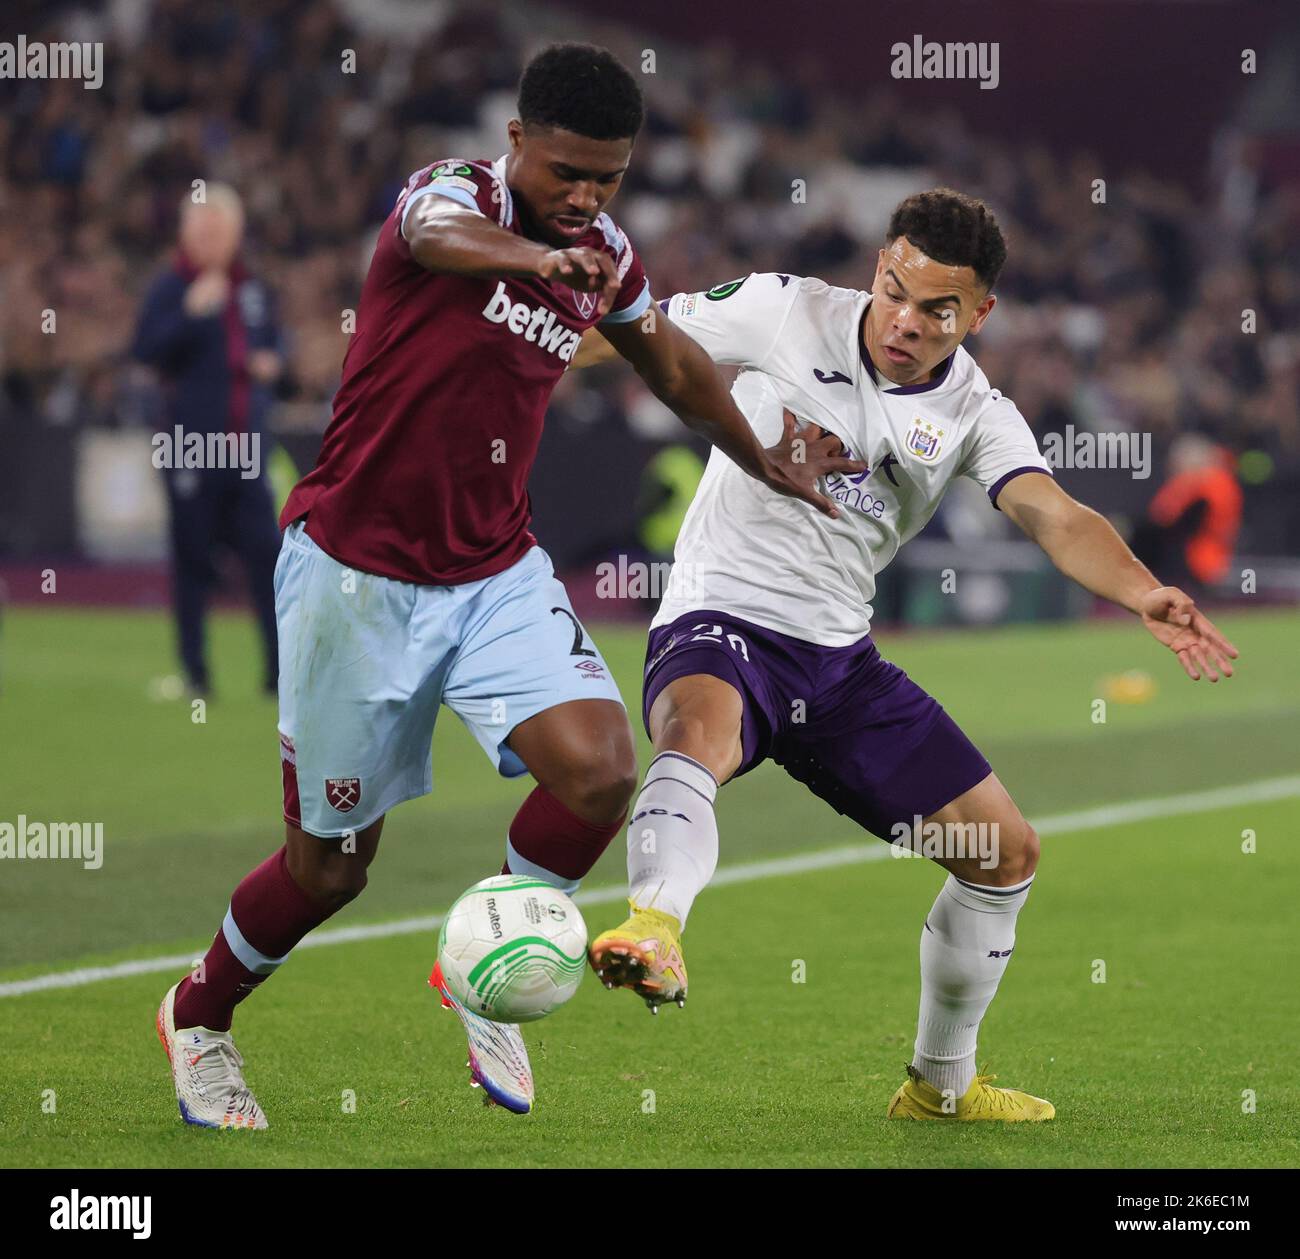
(590, 668)
(343, 794)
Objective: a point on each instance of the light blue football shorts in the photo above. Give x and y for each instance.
(366, 661)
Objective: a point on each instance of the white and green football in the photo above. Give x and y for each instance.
(513, 948)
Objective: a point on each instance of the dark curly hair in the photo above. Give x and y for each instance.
(583, 89)
(952, 228)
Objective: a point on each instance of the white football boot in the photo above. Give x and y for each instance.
(207, 1071)
(498, 1058)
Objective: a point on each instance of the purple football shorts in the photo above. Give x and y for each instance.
(853, 728)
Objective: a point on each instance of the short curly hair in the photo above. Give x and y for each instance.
(952, 228)
(583, 89)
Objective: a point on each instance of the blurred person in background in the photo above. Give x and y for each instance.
(1191, 527)
(209, 329)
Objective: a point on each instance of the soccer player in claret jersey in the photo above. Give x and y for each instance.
(408, 578)
(763, 650)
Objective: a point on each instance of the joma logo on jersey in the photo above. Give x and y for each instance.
(924, 440)
(533, 323)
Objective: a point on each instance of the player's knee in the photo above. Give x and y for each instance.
(681, 733)
(1031, 850)
(598, 790)
(1019, 859)
(332, 875)
(336, 882)
(693, 736)
(605, 791)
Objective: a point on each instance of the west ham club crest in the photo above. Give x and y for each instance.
(343, 794)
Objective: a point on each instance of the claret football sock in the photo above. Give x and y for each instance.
(965, 946)
(548, 840)
(269, 913)
(672, 839)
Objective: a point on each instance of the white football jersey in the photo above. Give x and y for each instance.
(777, 561)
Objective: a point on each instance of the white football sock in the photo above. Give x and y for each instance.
(672, 839)
(965, 946)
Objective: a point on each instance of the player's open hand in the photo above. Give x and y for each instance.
(587, 270)
(1173, 618)
(804, 454)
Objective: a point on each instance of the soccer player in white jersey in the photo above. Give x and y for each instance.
(761, 647)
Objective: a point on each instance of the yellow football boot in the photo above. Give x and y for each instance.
(644, 954)
(919, 1100)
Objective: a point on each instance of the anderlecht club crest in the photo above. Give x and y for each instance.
(924, 440)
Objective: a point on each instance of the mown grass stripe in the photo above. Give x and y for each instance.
(747, 872)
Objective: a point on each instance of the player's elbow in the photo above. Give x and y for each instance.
(429, 237)
(429, 247)
(675, 378)
(440, 233)
(1072, 520)
(1054, 522)
(671, 387)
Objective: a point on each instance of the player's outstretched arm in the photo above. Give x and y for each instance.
(1084, 546)
(682, 376)
(450, 238)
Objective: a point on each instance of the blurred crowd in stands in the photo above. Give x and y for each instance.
(1127, 314)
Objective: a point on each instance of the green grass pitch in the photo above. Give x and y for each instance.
(1157, 1066)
